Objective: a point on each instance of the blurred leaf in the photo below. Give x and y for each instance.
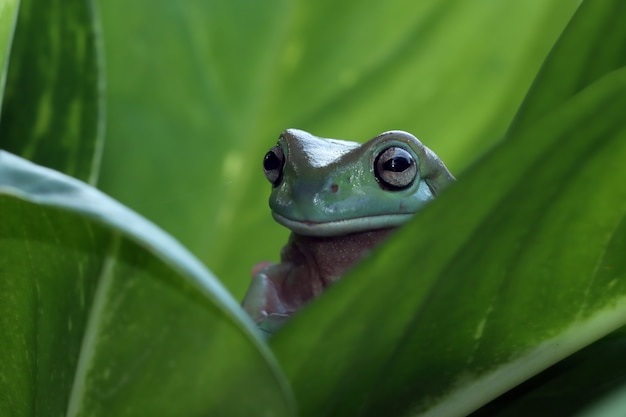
(199, 90)
(8, 14)
(103, 314)
(517, 266)
(53, 106)
(595, 45)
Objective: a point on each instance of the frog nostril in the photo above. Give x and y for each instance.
(334, 188)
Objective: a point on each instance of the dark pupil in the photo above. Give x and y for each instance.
(397, 164)
(271, 161)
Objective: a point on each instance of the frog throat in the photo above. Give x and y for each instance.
(343, 226)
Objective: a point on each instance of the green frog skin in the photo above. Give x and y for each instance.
(339, 199)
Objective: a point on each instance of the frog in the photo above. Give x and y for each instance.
(340, 199)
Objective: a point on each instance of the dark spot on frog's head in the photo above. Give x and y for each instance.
(401, 207)
(334, 188)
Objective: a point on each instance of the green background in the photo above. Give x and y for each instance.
(198, 91)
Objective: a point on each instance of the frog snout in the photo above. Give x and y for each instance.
(314, 190)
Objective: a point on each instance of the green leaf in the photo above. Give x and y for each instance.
(594, 45)
(103, 314)
(8, 13)
(53, 105)
(515, 267)
(200, 90)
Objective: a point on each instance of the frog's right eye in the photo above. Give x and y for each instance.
(273, 164)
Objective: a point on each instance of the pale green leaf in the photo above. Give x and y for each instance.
(103, 314)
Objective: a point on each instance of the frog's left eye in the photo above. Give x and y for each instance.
(273, 164)
(395, 168)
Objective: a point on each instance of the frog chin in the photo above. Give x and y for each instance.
(342, 226)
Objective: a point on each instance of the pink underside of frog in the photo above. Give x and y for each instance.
(259, 266)
(308, 266)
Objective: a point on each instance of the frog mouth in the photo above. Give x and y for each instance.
(342, 226)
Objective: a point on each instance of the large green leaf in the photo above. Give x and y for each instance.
(594, 44)
(515, 267)
(53, 106)
(199, 90)
(531, 284)
(103, 314)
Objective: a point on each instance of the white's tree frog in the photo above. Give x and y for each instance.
(339, 199)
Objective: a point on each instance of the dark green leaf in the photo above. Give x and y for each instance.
(515, 267)
(103, 314)
(53, 105)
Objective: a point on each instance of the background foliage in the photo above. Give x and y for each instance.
(513, 269)
(199, 90)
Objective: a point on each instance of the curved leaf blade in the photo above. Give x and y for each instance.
(585, 383)
(53, 111)
(592, 47)
(104, 314)
(489, 297)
